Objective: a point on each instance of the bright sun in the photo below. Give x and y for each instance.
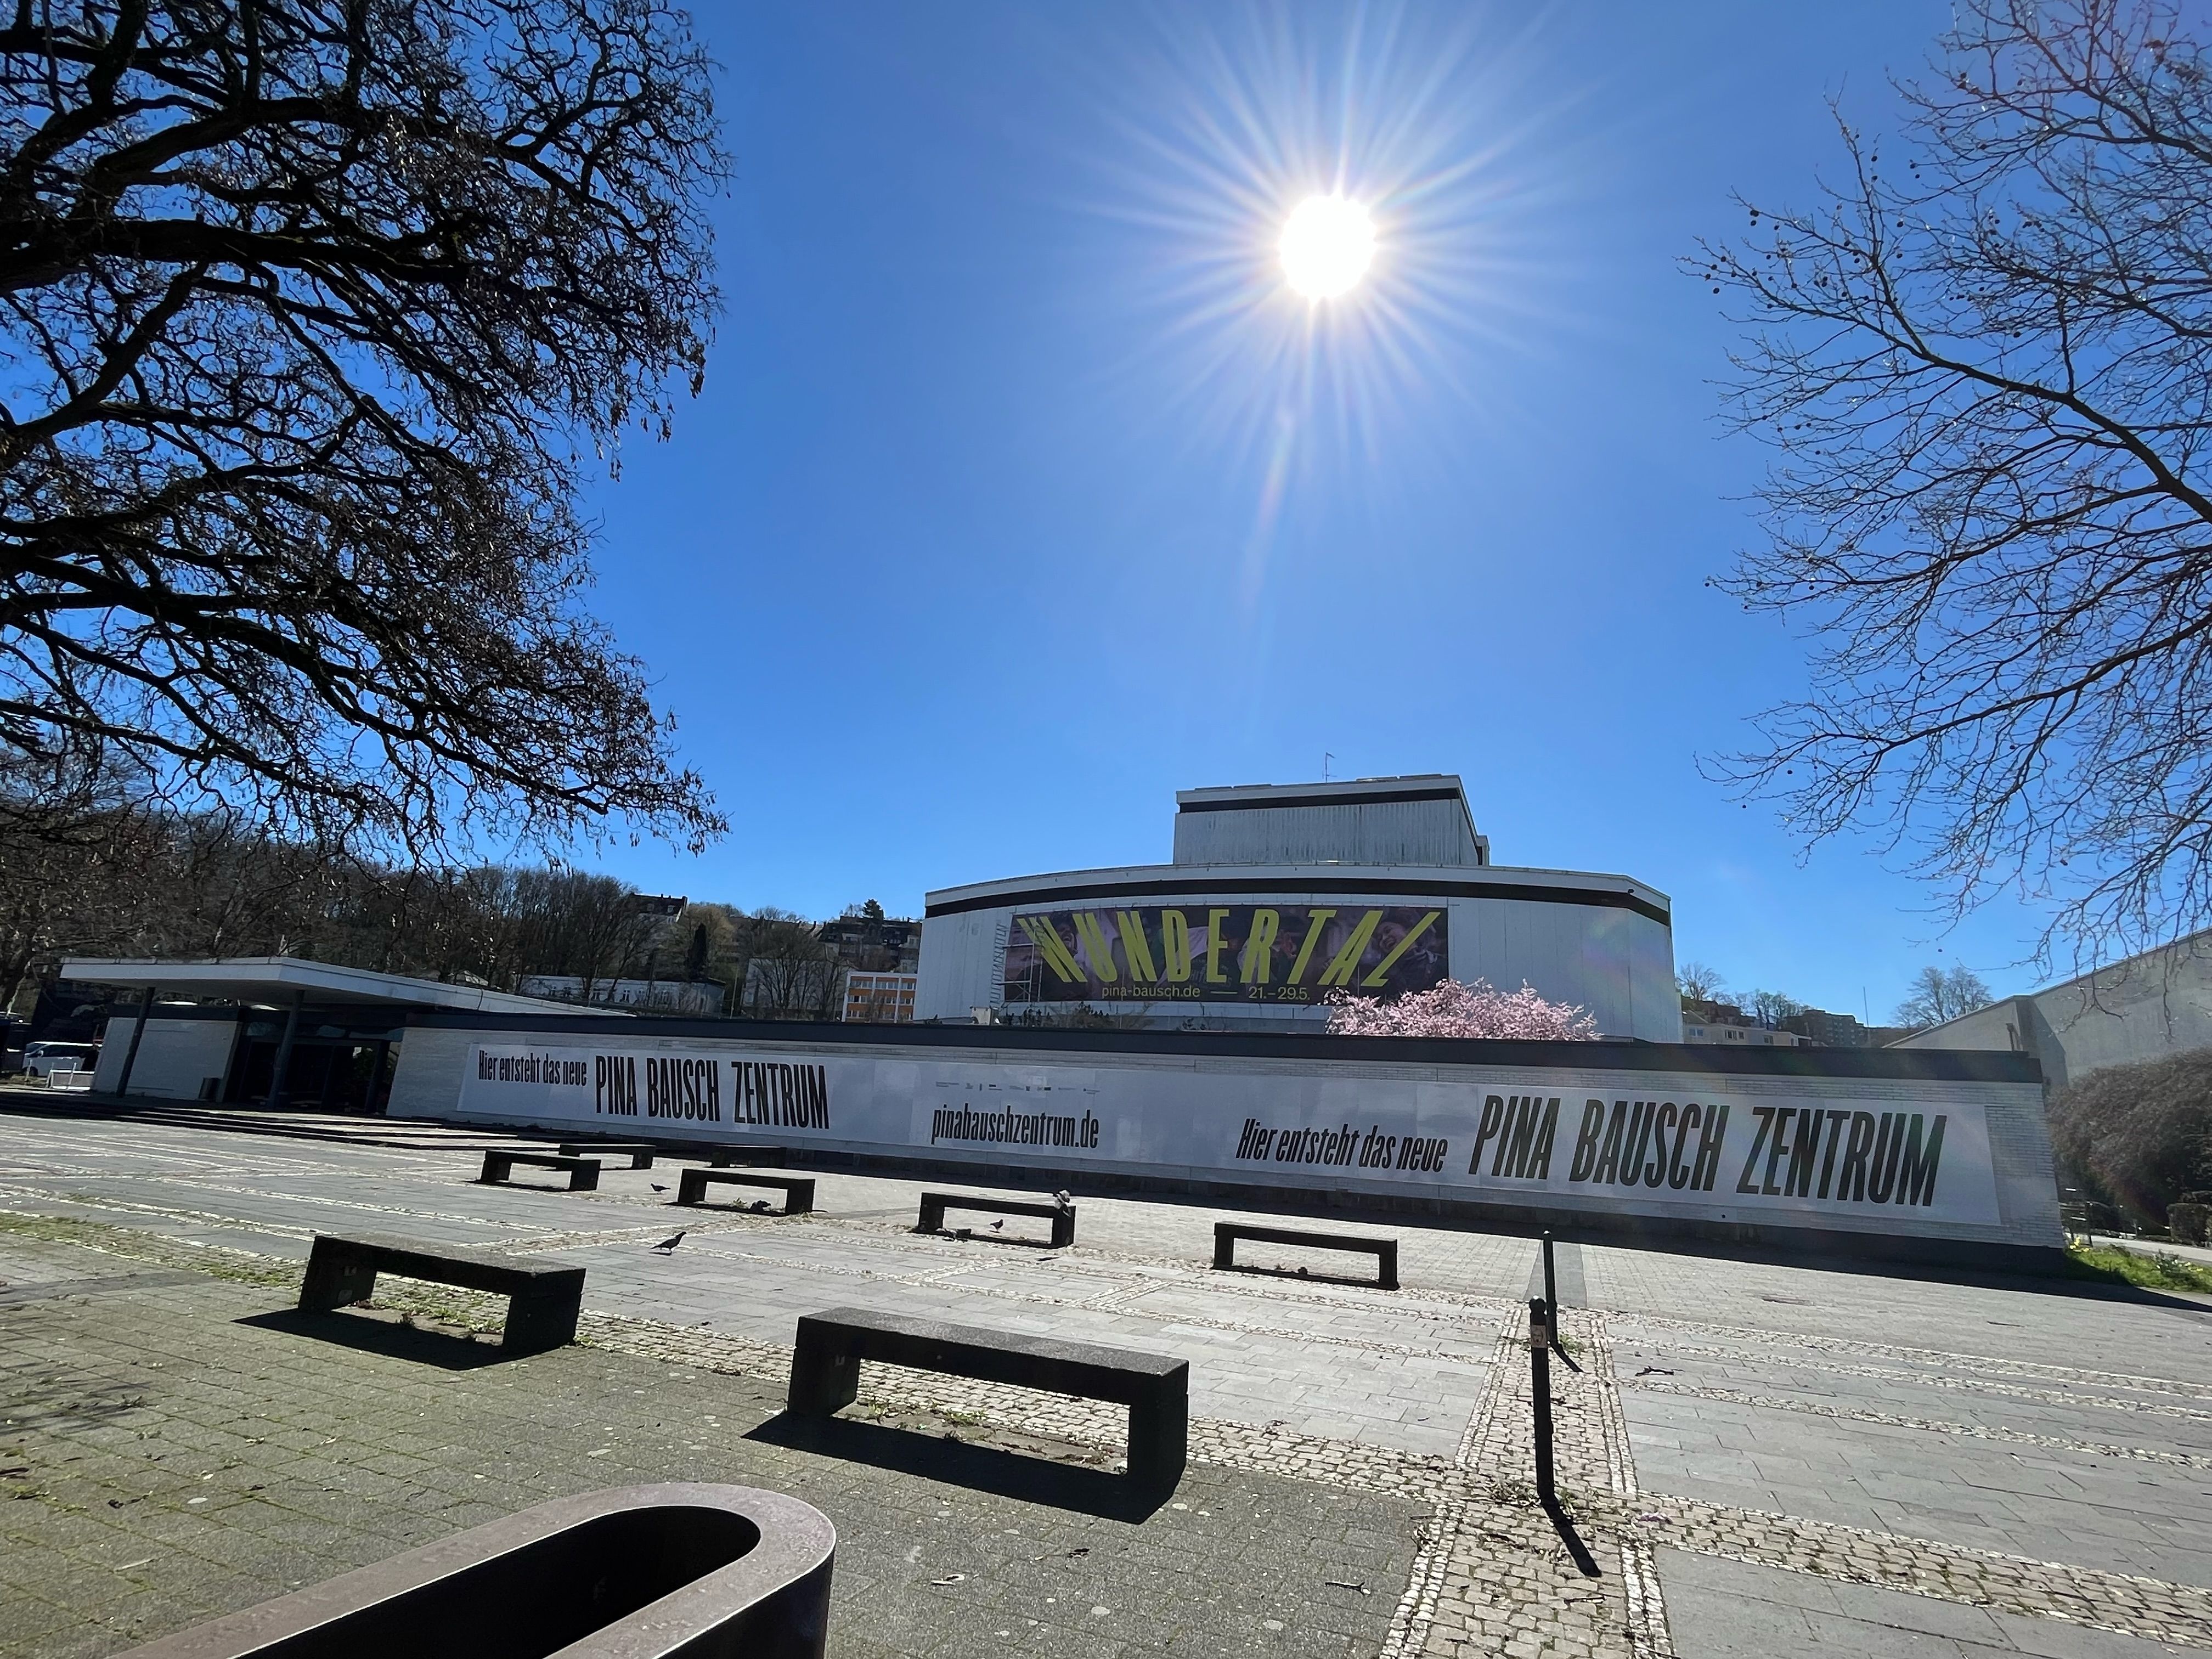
(1327, 246)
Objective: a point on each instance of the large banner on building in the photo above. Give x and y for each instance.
(1810, 1151)
(1270, 953)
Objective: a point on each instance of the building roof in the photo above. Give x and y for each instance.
(275, 980)
(1421, 820)
(1338, 792)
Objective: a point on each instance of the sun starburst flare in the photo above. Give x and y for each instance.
(1327, 224)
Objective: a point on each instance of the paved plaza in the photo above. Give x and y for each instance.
(1758, 1458)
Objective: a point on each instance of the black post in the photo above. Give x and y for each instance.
(278, 1095)
(138, 1031)
(1552, 1306)
(1540, 1393)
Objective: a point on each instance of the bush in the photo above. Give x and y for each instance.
(2143, 1133)
(2151, 1270)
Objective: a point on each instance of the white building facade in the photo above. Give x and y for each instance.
(1280, 895)
(2143, 1008)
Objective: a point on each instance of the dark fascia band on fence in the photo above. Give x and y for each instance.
(674, 1571)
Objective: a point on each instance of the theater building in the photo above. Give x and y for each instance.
(1214, 1077)
(1280, 894)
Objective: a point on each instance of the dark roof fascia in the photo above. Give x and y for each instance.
(1941, 1065)
(1349, 798)
(1201, 884)
(128, 1011)
(361, 1013)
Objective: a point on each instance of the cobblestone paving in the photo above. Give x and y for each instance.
(156, 1478)
(1904, 1465)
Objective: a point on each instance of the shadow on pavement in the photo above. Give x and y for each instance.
(984, 1235)
(958, 1463)
(447, 1350)
(1314, 1276)
(1563, 1524)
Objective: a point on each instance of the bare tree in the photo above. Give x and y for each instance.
(1986, 359)
(569, 923)
(312, 310)
(1699, 983)
(148, 884)
(1938, 994)
(1772, 1008)
(59, 894)
(787, 972)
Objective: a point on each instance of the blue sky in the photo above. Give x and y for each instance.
(1021, 494)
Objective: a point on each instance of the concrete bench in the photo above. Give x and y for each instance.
(798, 1190)
(543, 1297)
(825, 1374)
(1385, 1251)
(680, 1569)
(499, 1164)
(934, 1205)
(641, 1152)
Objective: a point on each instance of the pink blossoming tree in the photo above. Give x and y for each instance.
(1450, 1009)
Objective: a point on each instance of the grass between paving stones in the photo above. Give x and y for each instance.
(2151, 1270)
(217, 1261)
(443, 1305)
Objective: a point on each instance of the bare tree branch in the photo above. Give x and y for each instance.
(1987, 371)
(310, 311)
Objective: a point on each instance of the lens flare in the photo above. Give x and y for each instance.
(1331, 222)
(1327, 246)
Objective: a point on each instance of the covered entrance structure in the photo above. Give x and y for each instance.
(271, 1032)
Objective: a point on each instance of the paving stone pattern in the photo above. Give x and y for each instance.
(159, 1478)
(1757, 1456)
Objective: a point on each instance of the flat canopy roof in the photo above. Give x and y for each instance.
(276, 981)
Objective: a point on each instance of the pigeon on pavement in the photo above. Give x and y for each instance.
(667, 1246)
(995, 1225)
(656, 1185)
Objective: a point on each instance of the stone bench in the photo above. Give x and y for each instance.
(679, 1569)
(825, 1374)
(798, 1190)
(934, 1205)
(641, 1152)
(499, 1164)
(543, 1297)
(1385, 1251)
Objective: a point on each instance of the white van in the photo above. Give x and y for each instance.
(45, 1059)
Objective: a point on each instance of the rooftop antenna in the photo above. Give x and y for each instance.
(1326, 758)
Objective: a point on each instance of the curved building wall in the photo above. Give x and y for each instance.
(1604, 942)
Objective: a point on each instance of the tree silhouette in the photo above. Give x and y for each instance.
(315, 311)
(1985, 359)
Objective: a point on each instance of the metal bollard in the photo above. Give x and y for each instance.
(1551, 1307)
(1539, 1392)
